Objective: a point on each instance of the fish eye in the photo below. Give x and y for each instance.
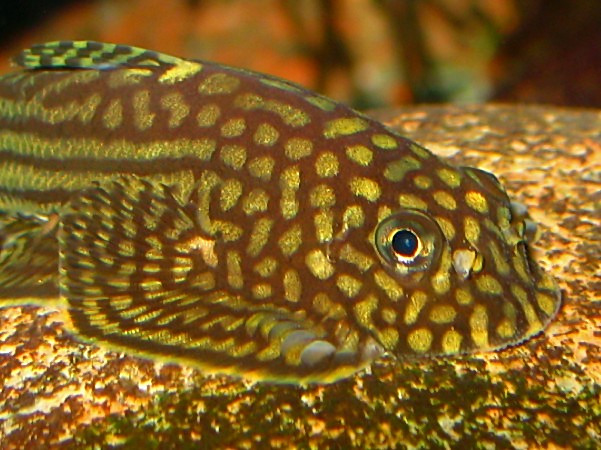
(408, 242)
(405, 243)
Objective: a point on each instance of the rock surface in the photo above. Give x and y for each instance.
(56, 391)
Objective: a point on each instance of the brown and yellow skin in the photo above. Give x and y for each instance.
(189, 211)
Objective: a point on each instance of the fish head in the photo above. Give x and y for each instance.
(453, 271)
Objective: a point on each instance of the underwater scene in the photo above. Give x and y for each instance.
(299, 225)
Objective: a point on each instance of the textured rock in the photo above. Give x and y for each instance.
(544, 393)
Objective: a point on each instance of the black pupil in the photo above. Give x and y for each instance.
(404, 243)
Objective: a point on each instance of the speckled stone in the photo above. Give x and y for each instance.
(56, 391)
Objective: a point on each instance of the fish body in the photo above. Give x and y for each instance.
(190, 211)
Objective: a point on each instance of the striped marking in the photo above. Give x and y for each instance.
(83, 152)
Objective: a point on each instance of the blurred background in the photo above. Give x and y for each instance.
(368, 53)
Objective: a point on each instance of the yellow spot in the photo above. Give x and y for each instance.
(359, 154)
(322, 196)
(546, 303)
(324, 223)
(420, 340)
(208, 115)
(366, 188)
(384, 212)
(121, 302)
(396, 170)
(348, 285)
(528, 309)
(261, 167)
(476, 201)
(546, 282)
(290, 178)
(218, 83)
(289, 204)
(344, 126)
(319, 265)
(451, 342)
(463, 296)
(290, 240)
(178, 108)
(442, 314)
(364, 309)
(323, 103)
(520, 268)
(231, 191)
(289, 114)
(504, 217)
(412, 201)
(505, 329)
(243, 350)
(479, 326)
(259, 236)
(143, 118)
(488, 284)
(353, 256)
(389, 316)
(353, 217)
(389, 337)
(384, 141)
(113, 115)
(388, 284)
(233, 127)
(234, 271)
(446, 226)
(416, 304)
(450, 177)
(499, 259)
(261, 291)
(229, 231)
(445, 200)
(233, 156)
(180, 72)
(255, 201)
(292, 286)
(420, 151)
(249, 101)
(266, 134)
(326, 165)
(472, 230)
(441, 279)
(422, 181)
(297, 148)
(266, 267)
(326, 307)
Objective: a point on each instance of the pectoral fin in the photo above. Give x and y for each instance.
(139, 272)
(28, 259)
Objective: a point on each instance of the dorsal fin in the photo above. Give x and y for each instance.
(90, 55)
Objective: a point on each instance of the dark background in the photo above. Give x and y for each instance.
(370, 53)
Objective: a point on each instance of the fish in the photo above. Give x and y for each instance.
(190, 212)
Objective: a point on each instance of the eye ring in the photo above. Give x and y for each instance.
(409, 242)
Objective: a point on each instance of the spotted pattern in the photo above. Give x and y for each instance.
(235, 220)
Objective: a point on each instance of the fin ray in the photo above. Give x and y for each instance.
(138, 272)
